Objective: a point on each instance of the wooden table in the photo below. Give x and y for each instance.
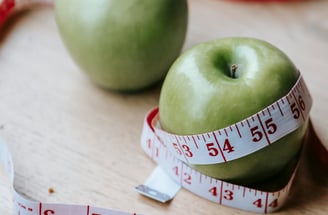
(67, 134)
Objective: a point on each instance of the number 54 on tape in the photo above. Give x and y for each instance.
(173, 153)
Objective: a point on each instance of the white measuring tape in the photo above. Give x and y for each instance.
(23, 206)
(173, 153)
(244, 137)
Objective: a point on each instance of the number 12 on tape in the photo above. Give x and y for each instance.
(215, 190)
(173, 152)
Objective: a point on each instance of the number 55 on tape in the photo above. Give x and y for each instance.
(173, 153)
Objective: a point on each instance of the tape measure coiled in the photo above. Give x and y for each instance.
(173, 153)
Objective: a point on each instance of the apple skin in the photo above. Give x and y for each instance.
(199, 95)
(123, 45)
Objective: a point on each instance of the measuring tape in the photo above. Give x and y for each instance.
(245, 137)
(23, 206)
(173, 153)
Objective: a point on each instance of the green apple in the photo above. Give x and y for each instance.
(124, 45)
(218, 83)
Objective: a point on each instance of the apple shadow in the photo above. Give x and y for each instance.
(311, 180)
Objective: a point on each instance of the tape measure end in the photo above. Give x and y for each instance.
(152, 193)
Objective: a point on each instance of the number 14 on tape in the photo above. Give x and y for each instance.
(215, 190)
(173, 152)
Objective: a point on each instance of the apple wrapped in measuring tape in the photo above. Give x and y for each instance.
(221, 82)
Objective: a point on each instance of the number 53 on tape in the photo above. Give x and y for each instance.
(173, 153)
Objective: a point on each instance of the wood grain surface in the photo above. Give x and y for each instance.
(69, 135)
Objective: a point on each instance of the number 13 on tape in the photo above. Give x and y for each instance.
(172, 153)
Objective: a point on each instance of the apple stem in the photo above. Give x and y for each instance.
(233, 70)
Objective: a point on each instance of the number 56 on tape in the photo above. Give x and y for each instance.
(173, 153)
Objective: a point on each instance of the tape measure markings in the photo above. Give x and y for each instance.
(220, 147)
(23, 206)
(174, 153)
(215, 190)
(244, 137)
